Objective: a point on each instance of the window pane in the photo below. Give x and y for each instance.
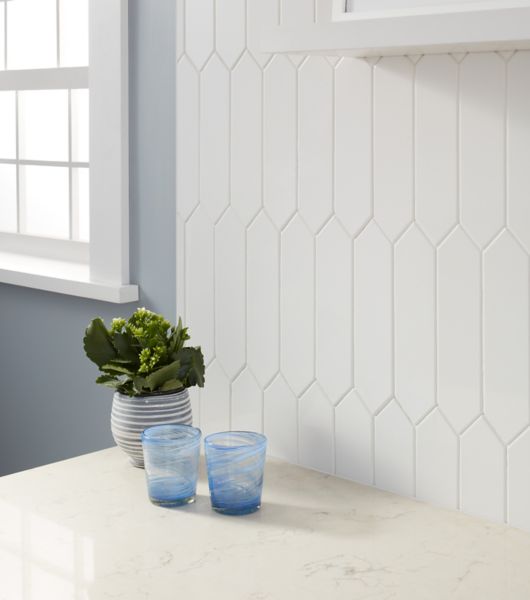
(8, 134)
(43, 124)
(44, 201)
(73, 20)
(31, 34)
(8, 198)
(80, 125)
(80, 205)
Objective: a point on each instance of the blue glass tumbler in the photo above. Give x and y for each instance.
(235, 461)
(171, 458)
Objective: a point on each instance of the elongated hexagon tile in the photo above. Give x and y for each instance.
(230, 32)
(279, 140)
(263, 299)
(316, 430)
(316, 141)
(459, 330)
(215, 400)
(353, 143)
(200, 280)
(437, 462)
(246, 142)
(519, 482)
(353, 440)
(334, 342)
(518, 149)
(436, 109)
(415, 324)
(280, 423)
(187, 138)
(297, 305)
(247, 403)
(482, 472)
(394, 451)
(260, 15)
(482, 130)
(393, 144)
(506, 325)
(230, 293)
(215, 137)
(199, 15)
(372, 310)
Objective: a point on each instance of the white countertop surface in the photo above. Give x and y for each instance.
(84, 529)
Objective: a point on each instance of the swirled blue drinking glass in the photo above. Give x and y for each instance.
(235, 461)
(171, 458)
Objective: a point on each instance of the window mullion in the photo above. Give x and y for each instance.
(44, 79)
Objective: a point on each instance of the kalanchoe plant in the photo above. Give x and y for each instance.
(144, 354)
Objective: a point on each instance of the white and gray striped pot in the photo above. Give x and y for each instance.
(130, 416)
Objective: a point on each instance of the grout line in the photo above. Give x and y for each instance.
(373, 447)
(505, 162)
(459, 144)
(183, 29)
(505, 496)
(372, 143)
(458, 472)
(482, 332)
(414, 145)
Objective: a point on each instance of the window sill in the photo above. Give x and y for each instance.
(62, 277)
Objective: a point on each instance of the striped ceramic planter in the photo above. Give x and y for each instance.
(130, 416)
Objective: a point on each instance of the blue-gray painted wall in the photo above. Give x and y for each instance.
(50, 408)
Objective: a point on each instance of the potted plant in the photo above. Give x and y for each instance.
(145, 360)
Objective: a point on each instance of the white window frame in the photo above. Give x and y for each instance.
(98, 269)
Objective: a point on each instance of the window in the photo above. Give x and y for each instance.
(64, 147)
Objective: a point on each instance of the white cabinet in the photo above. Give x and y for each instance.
(382, 27)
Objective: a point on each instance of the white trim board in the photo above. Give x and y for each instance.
(333, 31)
(60, 276)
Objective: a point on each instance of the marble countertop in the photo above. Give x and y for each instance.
(84, 529)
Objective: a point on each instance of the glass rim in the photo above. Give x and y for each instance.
(194, 438)
(259, 440)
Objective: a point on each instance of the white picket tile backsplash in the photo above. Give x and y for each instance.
(353, 257)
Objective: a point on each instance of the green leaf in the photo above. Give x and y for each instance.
(139, 384)
(109, 381)
(98, 343)
(124, 344)
(112, 368)
(192, 367)
(159, 377)
(171, 384)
